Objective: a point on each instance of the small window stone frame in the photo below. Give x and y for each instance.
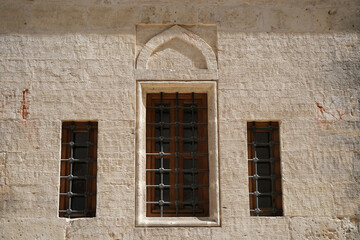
(145, 87)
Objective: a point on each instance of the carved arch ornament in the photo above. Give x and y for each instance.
(168, 35)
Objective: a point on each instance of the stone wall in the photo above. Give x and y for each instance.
(293, 61)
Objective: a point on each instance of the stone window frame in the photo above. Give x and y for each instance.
(209, 87)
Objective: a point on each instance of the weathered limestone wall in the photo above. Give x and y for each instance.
(288, 60)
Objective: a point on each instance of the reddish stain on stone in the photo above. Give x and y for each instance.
(322, 111)
(190, 36)
(330, 110)
(25, 104)
(7, 101)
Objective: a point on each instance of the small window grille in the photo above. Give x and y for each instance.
(78, 169)
(177, 169)
(264, 169)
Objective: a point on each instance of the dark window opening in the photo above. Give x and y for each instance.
(177, 168)
(78, 169)
(264, 169)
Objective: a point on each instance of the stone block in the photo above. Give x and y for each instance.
(57, 18)
(32, 229)
(103, 18)
(244, 228)
(288, 19)
(207, 14)
(242, 18)
(13, 18)
(187, 14)
(308, 199)
(29, 201)
(165, 14)
(90, 228)
(347, 198)
(337, 19)
(322, 228)
(322, 3)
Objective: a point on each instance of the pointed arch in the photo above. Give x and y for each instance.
(183, 34)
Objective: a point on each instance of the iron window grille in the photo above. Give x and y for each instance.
(177, 168)
(264, 169)
(78, 169)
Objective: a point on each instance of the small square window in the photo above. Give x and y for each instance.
(78, 170)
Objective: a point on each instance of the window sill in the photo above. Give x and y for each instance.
(177, 222)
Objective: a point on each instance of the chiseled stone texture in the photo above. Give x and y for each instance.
(296, 62)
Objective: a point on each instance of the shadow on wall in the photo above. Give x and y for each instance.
(179, 54)
(110, 16)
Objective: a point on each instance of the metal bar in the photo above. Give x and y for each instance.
(75, 211)
(77, 177)
(176, 186)
(180, 202)
(80, 145)
(176, 123)
(264, 160)
(272, 172)
(178, 138)
(178, 170)
(177, 150)
(193, 150)
(265, 177)
(265, 194)
(264, 144)
(255, 166)
(78, 160)
(161, 158)
(164, 107)
(87, 169)
(264, 210)
(71, 167)
(177, 154)
(77, 194)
